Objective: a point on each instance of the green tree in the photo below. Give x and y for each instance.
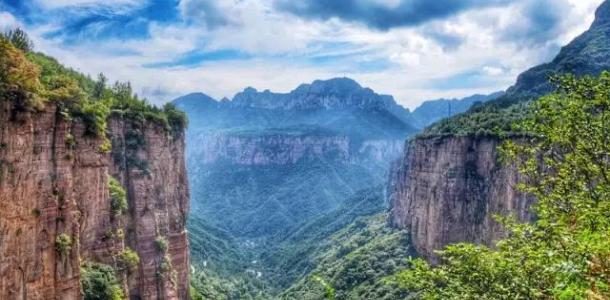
(565, 253)
(19, 39)
(99, 282)
(99, 89)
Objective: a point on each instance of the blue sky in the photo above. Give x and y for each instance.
(412, 49)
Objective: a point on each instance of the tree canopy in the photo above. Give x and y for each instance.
(565, 253)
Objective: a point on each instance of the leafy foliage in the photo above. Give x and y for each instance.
(480, 120)
(227, 268)
(209, 284)
(161, 244)
(63, 243)
(296, 255)
(223, 269)
(31, 79)
(329, 291)
(565, 253)
(118, 196)
(129, 259)
(19, 78)
(99, 282)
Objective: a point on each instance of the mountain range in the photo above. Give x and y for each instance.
(263, 165)
(441, 190)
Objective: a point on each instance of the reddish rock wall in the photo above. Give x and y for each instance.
(54, 180)
(447, 190)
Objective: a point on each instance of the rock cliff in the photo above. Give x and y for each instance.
(267, 149)
(447, 190)
(56, 210)
(449, 185)
(283, 149)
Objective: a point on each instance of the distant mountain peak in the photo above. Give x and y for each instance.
(250, 90)
(339, 85)
(334, 93)
(193, 98)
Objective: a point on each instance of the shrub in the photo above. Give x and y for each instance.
(161, 244)
(99, 282)
(118, 197)
(19, 78)
(70, 141)
(105, 147)
(129, 259)
(165, 265)
(63, 243)
(176, 118)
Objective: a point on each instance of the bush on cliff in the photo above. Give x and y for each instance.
(565, 253)
(30, 79)
(99, 282)
(129, 259)
(118, 196)
(19, 78)
(63, 243)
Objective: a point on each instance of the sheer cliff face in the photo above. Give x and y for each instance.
(447, 190)
(151, 166)
(280, 149)
(267, 149)
(54, 184)
(42, 185)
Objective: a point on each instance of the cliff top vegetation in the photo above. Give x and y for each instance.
(31, 80)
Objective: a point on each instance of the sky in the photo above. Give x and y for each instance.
(414, 50)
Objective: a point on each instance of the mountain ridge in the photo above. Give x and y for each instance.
(310, 96)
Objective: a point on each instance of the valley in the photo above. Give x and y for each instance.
(333, 197)
(285, 180)
(329, 189)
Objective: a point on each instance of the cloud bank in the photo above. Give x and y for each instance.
(412, 49)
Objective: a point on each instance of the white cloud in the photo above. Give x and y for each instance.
(8, 21)
(281, 44)
(493, 71)
(54, 4)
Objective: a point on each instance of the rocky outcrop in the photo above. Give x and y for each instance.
(55, 207)
(281, 149)
(266, 149)
(447, 190)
